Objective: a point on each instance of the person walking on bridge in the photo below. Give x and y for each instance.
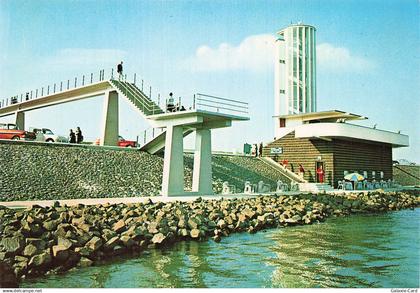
(120, 70)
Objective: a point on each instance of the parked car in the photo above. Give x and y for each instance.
(11, 131)
(121, 142)
(45, 134)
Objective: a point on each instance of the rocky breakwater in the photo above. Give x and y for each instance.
(55, 239)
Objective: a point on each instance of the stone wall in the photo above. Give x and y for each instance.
(52, 171)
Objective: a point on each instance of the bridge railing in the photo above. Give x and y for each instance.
(197, 101)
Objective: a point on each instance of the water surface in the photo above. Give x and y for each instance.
(357, 251)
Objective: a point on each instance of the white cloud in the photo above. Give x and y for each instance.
(257, 53)
(73, 58)
(253, 53)
(340, 59)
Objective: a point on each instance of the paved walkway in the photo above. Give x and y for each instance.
(114, 200)
(126, 200)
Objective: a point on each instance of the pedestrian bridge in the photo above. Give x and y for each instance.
(206, 112)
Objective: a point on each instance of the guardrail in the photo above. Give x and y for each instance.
(74, 83)
(204, 101)
(198, 101)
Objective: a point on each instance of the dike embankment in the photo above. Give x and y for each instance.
(43, 240)
(50, 171)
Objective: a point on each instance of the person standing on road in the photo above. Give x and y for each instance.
(120, 70)
(72, 136)
(79, 136)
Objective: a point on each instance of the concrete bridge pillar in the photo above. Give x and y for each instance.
(202, 174)
(109, 134)
(173, 165)
(20, 120)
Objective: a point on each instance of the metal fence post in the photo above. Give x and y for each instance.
(194, 102)
(54, 90)
(42, 91)
(75, 82)
(112, 73)
(135, 77)
(150, 92)
(83, 80)
(61, 86)
(48, 90)
(142, 81)
(21, 97)
(36, 95)
(159, 100)
(68, 83)
(91, 78)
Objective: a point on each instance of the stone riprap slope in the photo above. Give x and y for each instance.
(57, 238)
(56, 172)
(406, 175)
(49, 171)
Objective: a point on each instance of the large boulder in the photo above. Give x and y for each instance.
(12, 245)
(30, 250)
(40, 260)
(61, 250)
(85, 262)
(119, 226)
(94, 244)
(158, 238)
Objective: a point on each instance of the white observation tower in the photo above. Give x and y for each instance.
(295, 71)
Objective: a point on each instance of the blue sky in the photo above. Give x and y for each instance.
(367, 58)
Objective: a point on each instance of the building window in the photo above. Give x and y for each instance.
(345, 173)
(282, 61)
(365, 174)
(282, 122)
(282, 91)
(381, 174)
(373, 174)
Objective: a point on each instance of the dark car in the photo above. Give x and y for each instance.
(11, 131)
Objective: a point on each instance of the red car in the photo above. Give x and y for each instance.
(11, 131)
(121, 142)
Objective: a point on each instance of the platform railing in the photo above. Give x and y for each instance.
(219, 104)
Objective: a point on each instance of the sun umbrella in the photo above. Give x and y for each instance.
(354, 177)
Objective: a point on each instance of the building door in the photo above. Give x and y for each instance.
(320, 172)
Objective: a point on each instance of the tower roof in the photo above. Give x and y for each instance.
(299, 24)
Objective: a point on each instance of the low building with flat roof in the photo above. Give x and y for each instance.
(326, 140)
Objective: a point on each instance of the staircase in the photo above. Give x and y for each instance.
(157, 143)
(145, 105)
(315, 187)
(284, 171)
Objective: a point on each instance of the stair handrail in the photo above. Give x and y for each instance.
(291, 175)
(142, 103)
(145, 98)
